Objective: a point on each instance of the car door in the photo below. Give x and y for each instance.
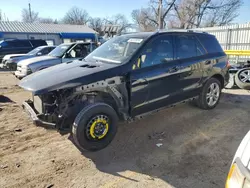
(190, 53)
(154, 82)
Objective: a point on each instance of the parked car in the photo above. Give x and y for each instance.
(19, 46)
(239, 173)
(127, 77)
(62, 53)
(7, 57)
(239, 75)
(13, 59)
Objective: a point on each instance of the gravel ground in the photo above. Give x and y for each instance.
(197, 147)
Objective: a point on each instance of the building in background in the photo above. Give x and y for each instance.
(54, 34)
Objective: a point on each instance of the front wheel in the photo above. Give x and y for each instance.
(210, 94)
(95, 127)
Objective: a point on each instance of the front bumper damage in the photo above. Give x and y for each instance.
(29, 108)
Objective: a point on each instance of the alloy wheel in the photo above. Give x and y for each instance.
(244, 76)
(213, 94)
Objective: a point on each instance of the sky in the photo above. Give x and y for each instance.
(56, 9)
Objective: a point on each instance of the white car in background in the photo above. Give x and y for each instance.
(8, 57)
(239, 174)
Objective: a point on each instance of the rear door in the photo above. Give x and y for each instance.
(155, 82)
(191, 56)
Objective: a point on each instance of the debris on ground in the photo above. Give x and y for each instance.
(18, 130)
(157, 135)
(49, 186)
(18, 165)
(159, 145)
(3, 166)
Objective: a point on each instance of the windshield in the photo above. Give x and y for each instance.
(35, 51)
(60, 50)
(116, 50)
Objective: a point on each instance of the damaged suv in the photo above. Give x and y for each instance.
(126, 78)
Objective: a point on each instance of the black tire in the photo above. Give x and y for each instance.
(239, 83)
(201, 101)
(80, 128)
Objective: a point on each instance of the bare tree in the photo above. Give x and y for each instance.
(46, 20)
(140, 17)
(154, 16)
(29, 16)
(223, 13)
(200, 13)
(118, 20)
(76, 16)
(96, 24)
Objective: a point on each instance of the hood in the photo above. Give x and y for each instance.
(17, 59)
(67, 75)
(12, 55)
(36, 59)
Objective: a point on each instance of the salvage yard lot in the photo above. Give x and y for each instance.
(197, 147)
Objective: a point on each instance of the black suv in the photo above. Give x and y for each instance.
(16, 46)
(127, 77)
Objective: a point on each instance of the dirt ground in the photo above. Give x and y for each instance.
(197, 147)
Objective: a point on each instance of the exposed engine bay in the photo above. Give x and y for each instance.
(62, 106)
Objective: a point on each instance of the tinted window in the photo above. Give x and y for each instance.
(157, 51)
(188, 46)
(22, 44)
(45, 51)
(37, 43)
(210, 43)
(185, 47)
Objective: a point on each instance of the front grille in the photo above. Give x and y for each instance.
(38, 105)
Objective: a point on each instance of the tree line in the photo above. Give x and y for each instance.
(183, 14)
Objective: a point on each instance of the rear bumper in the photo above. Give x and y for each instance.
(28, 106)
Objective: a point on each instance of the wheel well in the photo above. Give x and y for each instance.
(106, 98)
(220, 78)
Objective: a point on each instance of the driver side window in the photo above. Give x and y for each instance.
(157, 51)
(78, 51)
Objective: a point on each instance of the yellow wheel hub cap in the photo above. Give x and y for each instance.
(99, 128)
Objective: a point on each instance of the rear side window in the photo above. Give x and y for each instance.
(187, 46)
(210, 43)
(22, 44)
(37, 43)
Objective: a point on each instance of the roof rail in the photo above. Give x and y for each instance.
(180, 30)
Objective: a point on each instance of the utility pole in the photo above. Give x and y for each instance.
(160, 21)
(30, 13)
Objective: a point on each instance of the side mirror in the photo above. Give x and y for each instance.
(39, 53)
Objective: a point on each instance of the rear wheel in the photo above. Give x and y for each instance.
(242, 78)
(210, 94)
(95, 127)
